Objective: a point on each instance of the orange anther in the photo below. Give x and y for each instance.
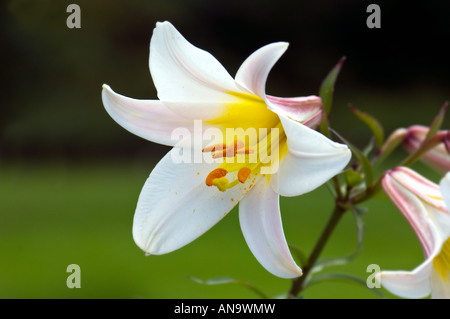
(243, 174)
(217, 173)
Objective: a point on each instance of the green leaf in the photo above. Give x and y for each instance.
(344, 277)
(326, 94)
(228, 280)
(358, 213)
(437, 122)
(330, 187)
(372, 123)
(393, 141)
(369, 174)
(331, 262)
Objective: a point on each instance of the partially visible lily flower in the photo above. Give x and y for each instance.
(438, 157)
(181, 201)
(425, 206)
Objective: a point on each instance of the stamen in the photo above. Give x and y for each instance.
(247, 150)
(214, 148)
(224, 153)
(221, 183)
(217, 173)
(224, 150)
(238, 145)
(243, 174)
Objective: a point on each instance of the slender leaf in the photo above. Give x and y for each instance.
(344, 277)
(369, 174)
(326, 94)
(331, 262)
(392, 142)
(332, 190)
(437, 122)
(372, 123)
(327, 86)
(228, 280)
(358, 213)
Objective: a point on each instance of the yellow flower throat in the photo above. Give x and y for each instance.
(255, 145)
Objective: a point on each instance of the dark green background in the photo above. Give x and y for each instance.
(70, 176)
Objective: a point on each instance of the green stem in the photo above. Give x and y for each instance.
(298, 284)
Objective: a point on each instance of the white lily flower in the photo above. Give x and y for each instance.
(181, 201)
(425, 205)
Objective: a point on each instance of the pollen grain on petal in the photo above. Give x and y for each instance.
(243, 174)
(217, 173)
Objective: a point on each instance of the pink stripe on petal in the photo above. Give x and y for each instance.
(413, 210)
(307, 110)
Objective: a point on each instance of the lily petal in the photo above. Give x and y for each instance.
(445, 189)
(183, 73)
(176, 206)
(253, 73)
(411, 206)
(409, 284)
(306, 110)
(432, 211)
(260, 219)
(311, 160)
(440, 289)
(149, 119)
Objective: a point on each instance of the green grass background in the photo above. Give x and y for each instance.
(60, 213)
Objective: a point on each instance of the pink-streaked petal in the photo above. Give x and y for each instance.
(311, 160)
(176, 206)
(252, 74)
(413, 210)
(409, 284)
(184, 73)
(431, 196)
(419, 186)
(306, 110)
(260, 219)
(444, 219)
(445, 189)
(149, 119)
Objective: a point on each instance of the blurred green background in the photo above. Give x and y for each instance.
(70, 176)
